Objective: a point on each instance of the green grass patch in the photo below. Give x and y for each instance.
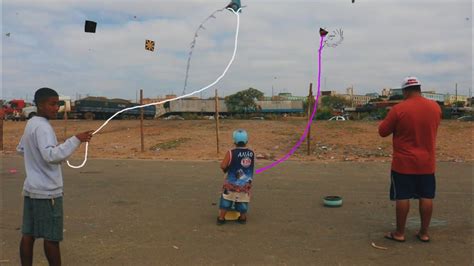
(169, 144)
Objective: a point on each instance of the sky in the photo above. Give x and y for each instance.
(384, 41)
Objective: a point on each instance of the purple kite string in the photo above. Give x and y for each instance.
(303, 137)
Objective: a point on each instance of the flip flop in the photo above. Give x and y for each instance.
(220, 222)
(391, 237)
(421, 239)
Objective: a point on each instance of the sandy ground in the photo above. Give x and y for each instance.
(142, 212)
(196, 139)
(162, 211)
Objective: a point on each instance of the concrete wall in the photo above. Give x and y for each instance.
(208, 106)
(196, 106)
(280, 106)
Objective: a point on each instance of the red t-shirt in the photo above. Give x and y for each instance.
(414, 124)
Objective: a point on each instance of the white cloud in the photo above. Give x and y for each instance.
(384, 42)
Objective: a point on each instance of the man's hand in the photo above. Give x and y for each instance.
(85, 136)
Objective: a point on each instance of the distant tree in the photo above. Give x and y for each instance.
(334, 102)
(396, 97)
(243, 101)
(382, 113)
(458, 104)
(379, 99)
(324, 113)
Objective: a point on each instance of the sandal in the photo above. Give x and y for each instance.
(421, 239)
(241, 221)
(220, 222)
(392, 237)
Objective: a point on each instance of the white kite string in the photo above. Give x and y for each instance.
(168, 100)
(193, 44)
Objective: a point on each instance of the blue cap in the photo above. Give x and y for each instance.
(240, 135)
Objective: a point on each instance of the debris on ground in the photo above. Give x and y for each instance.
(378, 247)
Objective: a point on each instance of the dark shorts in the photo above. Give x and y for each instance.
(412, 186)
(43, 219)
(241, 207)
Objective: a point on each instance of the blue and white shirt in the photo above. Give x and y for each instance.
(241, 168)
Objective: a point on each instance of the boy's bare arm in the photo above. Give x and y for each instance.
(225, 162)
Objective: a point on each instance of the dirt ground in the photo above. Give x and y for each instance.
(196, 139)
(143, 212)
(162, 211)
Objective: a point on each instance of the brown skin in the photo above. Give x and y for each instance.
(225, 162)
(225, 167)
(410, 94)
(403, 206)
(47, 108)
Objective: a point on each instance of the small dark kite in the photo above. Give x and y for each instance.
(149, 45)
(90, 26)
(323, 32)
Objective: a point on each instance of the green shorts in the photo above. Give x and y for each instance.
(43, 218)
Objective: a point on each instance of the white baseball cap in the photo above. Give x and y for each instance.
(410, 81)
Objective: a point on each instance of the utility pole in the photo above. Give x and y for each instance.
(352, 95)
(66, 103)
(2, 114)
(272, 86)
(456, 91)
(470, 97)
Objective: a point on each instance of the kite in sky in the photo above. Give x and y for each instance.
(334, 39)
(150, 45)
(234, 6)
(167, 100)
(90, 26)
(323, 32)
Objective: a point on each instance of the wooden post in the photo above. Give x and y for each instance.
(216, 115)
(310, 109)
(142, 137)
(2, 114)
(65, 120)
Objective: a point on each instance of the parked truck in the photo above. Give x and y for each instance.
(103, 108)
(13, 109)
(64, 105)
(96, 108)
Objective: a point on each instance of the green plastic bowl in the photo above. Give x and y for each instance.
(332, 201)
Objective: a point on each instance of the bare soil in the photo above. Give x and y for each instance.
(196, 139)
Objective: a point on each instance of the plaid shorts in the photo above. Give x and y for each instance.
(43, 218)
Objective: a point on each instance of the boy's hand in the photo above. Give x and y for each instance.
(85, 136)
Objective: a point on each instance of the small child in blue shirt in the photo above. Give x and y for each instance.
(238, 164)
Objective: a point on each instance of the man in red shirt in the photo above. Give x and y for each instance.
(414, 124)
